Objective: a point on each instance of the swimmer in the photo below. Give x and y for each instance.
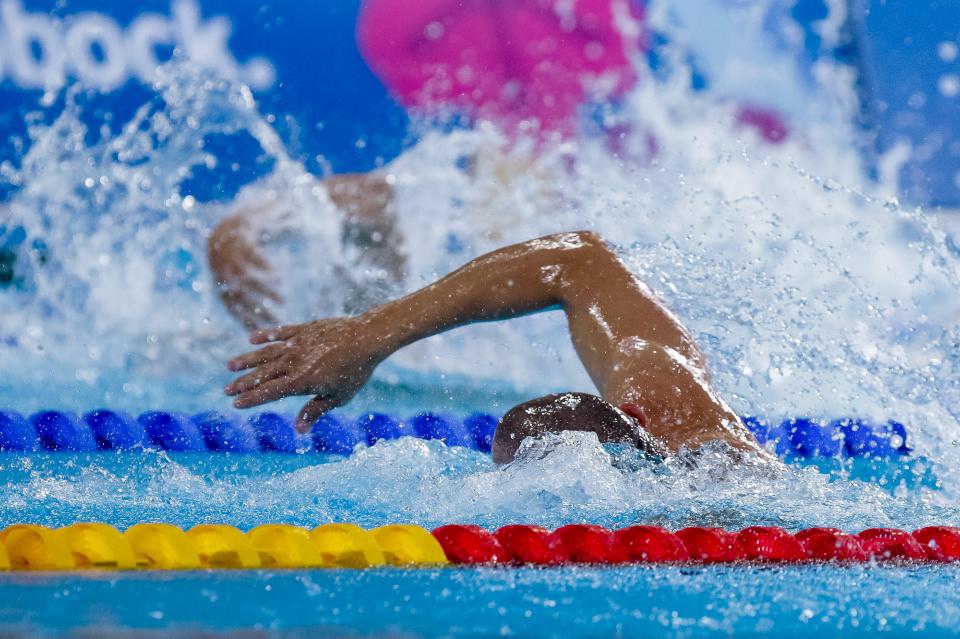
(243, 276)
(654, 391)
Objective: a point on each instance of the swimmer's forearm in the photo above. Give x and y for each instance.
(507, 283)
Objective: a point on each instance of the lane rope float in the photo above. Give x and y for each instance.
(104, 429)
(86, 546)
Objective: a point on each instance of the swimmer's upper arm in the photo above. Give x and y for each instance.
(608, 308)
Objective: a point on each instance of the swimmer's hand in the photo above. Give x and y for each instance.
(241, 274)
(331, 359)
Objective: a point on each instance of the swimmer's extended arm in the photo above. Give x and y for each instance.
(625, 337)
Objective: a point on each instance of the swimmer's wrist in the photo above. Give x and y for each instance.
(410, 319)
(388, 331)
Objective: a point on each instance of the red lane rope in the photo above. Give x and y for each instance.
(589, 544)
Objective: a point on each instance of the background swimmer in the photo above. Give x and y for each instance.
(245, 279)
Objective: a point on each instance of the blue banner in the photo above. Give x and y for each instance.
(912, 79)
(302, 61)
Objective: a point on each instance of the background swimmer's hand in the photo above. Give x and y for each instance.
(241, 274)
(331, 359)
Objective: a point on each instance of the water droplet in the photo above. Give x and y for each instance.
(949, 85)
(947, 51)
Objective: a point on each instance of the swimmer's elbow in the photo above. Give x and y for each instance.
(591, 241)
(587, 257)
(566, 259)
(574, 247)
(594, 248)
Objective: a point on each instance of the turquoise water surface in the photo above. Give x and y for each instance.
(860, 601)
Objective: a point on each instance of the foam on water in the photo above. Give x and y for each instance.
(812, 290)
(562, 479)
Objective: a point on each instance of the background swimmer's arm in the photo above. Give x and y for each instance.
(241, 275)
(244, 277)
(607, 308)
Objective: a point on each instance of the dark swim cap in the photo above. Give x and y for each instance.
(568, 412)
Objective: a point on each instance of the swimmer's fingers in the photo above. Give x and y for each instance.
(257, 358)
(257, 260)
(261, 289)
(264, 393)
(246, 309)
(257, 377)
(275, 334)
(260, 316)
(314, 410)
(248, 297)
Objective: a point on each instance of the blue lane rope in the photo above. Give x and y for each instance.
(104, 429)
(848, 437)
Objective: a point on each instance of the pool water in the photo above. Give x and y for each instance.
(571, 479)
(856, 601)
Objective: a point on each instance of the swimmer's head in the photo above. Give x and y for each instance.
(566, 411)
